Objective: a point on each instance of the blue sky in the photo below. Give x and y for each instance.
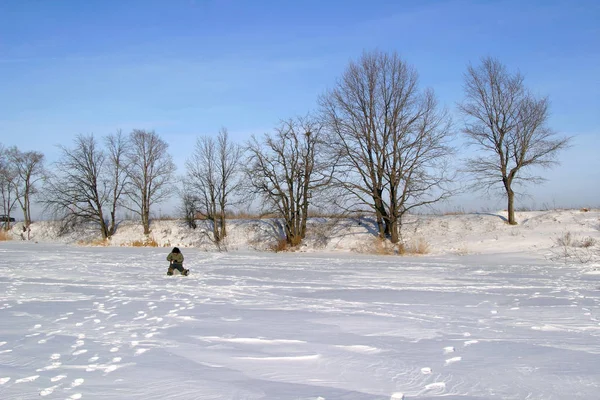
(186, 68)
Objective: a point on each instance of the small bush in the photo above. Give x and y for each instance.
(4, 236)
(280, 245)
(585, 243)
(565, 240)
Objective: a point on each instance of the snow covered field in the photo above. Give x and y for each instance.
(107, 323)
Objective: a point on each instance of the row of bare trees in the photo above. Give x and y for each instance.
(21, 174)
(93, 179)
(378, 142)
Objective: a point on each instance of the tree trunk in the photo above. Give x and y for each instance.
(394, 228)
(381, 215)
(511, 207)
(146, 218)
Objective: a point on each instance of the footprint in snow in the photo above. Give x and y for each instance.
(42, 341)
(57, 378)
(470, 342)
(54, 365)
(426, 370)
(453, 360)
(438, 386)
(77, 382)
(28, 379)
(4, 380)
(76, 396)
(49, 390)
(448, 349)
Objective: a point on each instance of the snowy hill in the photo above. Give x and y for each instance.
(483, 233)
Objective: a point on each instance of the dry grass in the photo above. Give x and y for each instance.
(148, 242)
(280, 245)
(4, 236)
(456, 211)
(94, 242)
(384, 247)
(418, 246)
(283, 245)
(381, 247)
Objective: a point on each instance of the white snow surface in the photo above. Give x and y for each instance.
(491, 312)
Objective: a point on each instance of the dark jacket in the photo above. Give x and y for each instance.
(175, 258)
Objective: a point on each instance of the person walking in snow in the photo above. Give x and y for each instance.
(175, 259)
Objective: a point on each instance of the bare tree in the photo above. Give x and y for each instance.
(150, 168)
(508, 125)
(213, 178)
(116, 174)
(189, 205)
(8, 196)
(287, 168)
(392, 139)
(29, 167)
(79, 191)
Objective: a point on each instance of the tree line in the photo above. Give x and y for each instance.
(377, 142)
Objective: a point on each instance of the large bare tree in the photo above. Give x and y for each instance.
(213, 178)
(150, 169)
(509, 127)
(79, 191)
(287, 169)
(392, 138)
(29, 167)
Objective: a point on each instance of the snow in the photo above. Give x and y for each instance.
(491, 312)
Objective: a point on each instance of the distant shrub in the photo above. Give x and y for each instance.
(4, 236)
